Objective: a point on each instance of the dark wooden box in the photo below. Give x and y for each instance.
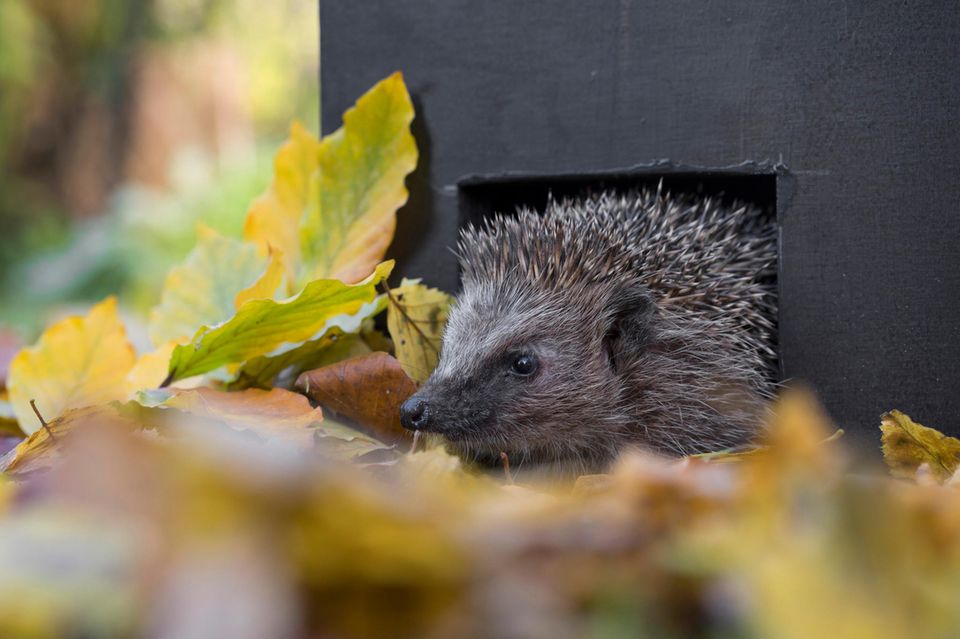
(842, 118)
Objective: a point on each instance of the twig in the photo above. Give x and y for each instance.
(506, 466)
(43, 422)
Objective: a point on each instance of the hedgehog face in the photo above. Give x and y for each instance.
(513, 378)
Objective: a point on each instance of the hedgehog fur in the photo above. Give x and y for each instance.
(649, 320)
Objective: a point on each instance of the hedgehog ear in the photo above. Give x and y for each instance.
(629, 312)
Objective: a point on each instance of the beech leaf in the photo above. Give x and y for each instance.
(331, 208)
(416, 316)
(274, 218)
(79, 361)
(266, 327)
(274, 414)
(907, 445)
(205, 289)
(367, 389)
(360, 185)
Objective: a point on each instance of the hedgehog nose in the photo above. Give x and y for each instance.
(415, 413)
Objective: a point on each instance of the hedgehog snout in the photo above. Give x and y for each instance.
(415, 413)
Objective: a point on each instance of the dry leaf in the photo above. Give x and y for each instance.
(267, 284)
(331, 208)
(367, 389)
(274, 218)
(274, 414)
(79, 361)
(907, 445)
(204, 290)
(42, 448)
(416, 316)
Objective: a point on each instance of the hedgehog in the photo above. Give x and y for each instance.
(613, 321)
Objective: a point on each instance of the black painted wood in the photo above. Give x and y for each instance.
(858, 102)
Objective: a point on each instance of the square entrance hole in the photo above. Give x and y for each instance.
(481, 197)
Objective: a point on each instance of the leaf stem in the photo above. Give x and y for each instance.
(43, 422)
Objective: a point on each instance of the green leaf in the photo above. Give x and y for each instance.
(202, 290)
(268, 328)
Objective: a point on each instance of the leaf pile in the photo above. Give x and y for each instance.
(188, 492)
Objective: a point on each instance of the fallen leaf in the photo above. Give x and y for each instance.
(150, 369)
(79, 361)
(338, 441)
(367, 389)
(42, 448)
(907, 445)
(267, 284)
(331, 208)
(205, 288)
(360, 185)
(273, 414)
(267, 328)
(337, 342)
(274, 218)
(416, 315)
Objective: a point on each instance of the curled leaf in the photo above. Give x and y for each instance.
(265, 327)
(274, 218)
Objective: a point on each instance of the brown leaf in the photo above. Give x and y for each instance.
(367, 389)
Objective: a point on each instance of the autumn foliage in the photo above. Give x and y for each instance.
(247, 477)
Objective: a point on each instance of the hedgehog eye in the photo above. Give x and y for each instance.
(524, 365)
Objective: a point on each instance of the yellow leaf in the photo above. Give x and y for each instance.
(150, 369)
(79, 361)
(267, 284)
(361, 185)
(274, 218)
(204, 289)
(907, 445)
(331, 208)
(416, 316)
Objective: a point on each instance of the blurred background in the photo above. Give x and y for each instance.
(123, 124)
